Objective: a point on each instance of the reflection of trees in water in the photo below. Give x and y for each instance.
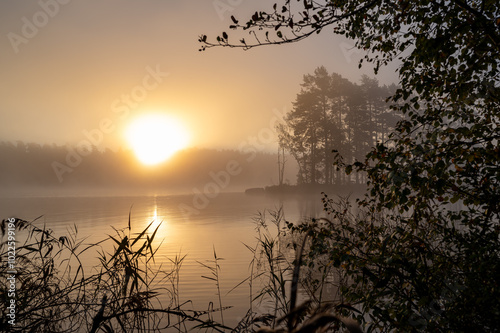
(309, 208)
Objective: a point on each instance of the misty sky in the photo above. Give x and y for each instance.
(76, 69)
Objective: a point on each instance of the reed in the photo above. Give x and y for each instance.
(275, 271)
(56, 292)
(214, 269)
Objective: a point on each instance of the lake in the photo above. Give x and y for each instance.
(189, 226)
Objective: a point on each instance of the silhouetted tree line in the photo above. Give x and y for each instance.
(31, 164)
(329, 114)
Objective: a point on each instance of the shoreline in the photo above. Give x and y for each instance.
(306, 189)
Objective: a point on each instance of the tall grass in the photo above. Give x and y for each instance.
(174, 278)
(214, 269)
(280, 299)
(56, 293)
(123, 293)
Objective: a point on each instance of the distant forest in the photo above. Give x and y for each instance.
(33, 165)
(331, 113)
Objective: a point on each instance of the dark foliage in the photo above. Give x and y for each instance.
(424, 253)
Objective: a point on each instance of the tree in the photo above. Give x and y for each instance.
(331, 113)
(425, 256)
(310, 122)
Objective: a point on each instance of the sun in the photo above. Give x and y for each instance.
(156, 137)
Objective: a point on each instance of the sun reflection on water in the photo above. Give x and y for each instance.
(155, 213)
(157, 221)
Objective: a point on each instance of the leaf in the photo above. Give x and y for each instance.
(208, 277)
(129, 215)
(454, 198)
(141, 234)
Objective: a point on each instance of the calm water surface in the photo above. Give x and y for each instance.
(226, 224)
